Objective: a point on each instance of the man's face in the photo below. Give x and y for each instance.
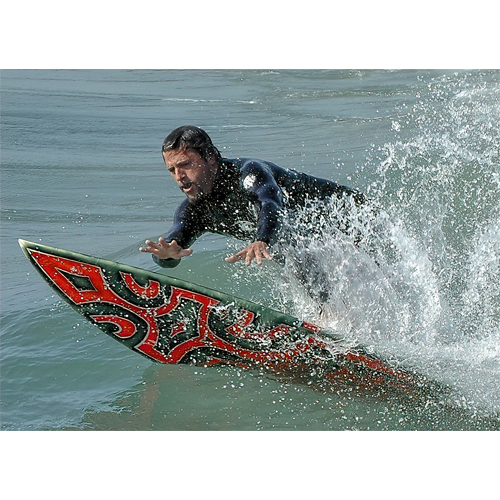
(194, 175)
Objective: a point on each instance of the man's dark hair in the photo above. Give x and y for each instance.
(191, 138)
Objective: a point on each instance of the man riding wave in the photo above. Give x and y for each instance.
(247, 199)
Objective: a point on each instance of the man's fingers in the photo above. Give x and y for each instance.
(234, 258)
(248, 256)
(262, 254)
(161, 243)
(266, 255)
(151, 246)
(258, 257)
(237, 256)
(165, 250)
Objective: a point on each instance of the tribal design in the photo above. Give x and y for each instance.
(172, 324)
(169, 324)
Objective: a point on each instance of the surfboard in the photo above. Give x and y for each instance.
(169, 320)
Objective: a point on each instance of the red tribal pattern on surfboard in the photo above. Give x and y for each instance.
(169, 324)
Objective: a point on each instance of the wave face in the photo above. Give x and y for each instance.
(415, 278)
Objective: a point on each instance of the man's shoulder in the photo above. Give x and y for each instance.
(248, 166)
(182, 209)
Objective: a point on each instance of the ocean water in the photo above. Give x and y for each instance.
(81, 169)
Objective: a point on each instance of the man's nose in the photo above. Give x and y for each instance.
(179, 174)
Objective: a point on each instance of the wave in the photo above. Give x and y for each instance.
(422, 286)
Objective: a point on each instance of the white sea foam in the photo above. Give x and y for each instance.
(423, 286)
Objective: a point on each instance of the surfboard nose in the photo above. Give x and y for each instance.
(24, 244)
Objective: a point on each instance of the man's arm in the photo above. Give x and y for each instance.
(173, 245)
(259, 180)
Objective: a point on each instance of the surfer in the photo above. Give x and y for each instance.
(247, 199)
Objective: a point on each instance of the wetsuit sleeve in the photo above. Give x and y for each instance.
(258, 179)
(182, 231)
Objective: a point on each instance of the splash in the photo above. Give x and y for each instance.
(416, 277)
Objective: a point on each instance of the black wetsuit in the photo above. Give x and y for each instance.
(247, 202)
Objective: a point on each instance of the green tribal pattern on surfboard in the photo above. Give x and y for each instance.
(172, 321)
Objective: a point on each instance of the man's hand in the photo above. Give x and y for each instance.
(165, 250)
(256, 250)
